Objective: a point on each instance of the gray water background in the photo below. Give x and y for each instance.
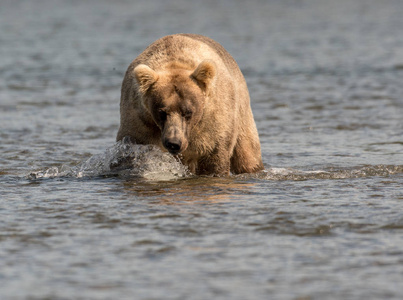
(324, 221)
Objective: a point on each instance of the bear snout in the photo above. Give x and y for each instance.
(173, 134)
(173, 145)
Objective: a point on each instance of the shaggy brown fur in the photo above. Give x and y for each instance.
(186, 94)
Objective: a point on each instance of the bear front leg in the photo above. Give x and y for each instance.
(246, 157)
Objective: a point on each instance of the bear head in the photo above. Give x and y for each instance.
(175, 98)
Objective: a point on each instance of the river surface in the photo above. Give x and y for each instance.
(324, 220)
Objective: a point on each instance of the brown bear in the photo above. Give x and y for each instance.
(186, 94)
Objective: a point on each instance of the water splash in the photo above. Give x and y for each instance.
(149, 162)
(122, 159)
(329, 173)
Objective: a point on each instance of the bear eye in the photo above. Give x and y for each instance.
(162, 114)
(188, 114)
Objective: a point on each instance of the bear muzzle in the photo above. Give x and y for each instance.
(173, 135)
(174, 141)
(173, 145)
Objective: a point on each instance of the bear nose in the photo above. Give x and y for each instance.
(173, 146)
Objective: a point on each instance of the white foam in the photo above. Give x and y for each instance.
(123, 159)
(149, 162)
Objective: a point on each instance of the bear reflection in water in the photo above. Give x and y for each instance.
(187, 95)
(189, 191)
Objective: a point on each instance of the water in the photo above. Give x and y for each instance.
(323, 221)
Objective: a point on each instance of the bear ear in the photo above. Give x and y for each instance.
(205, 73)
(145, 77)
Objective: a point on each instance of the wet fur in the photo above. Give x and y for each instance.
(177, 68)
